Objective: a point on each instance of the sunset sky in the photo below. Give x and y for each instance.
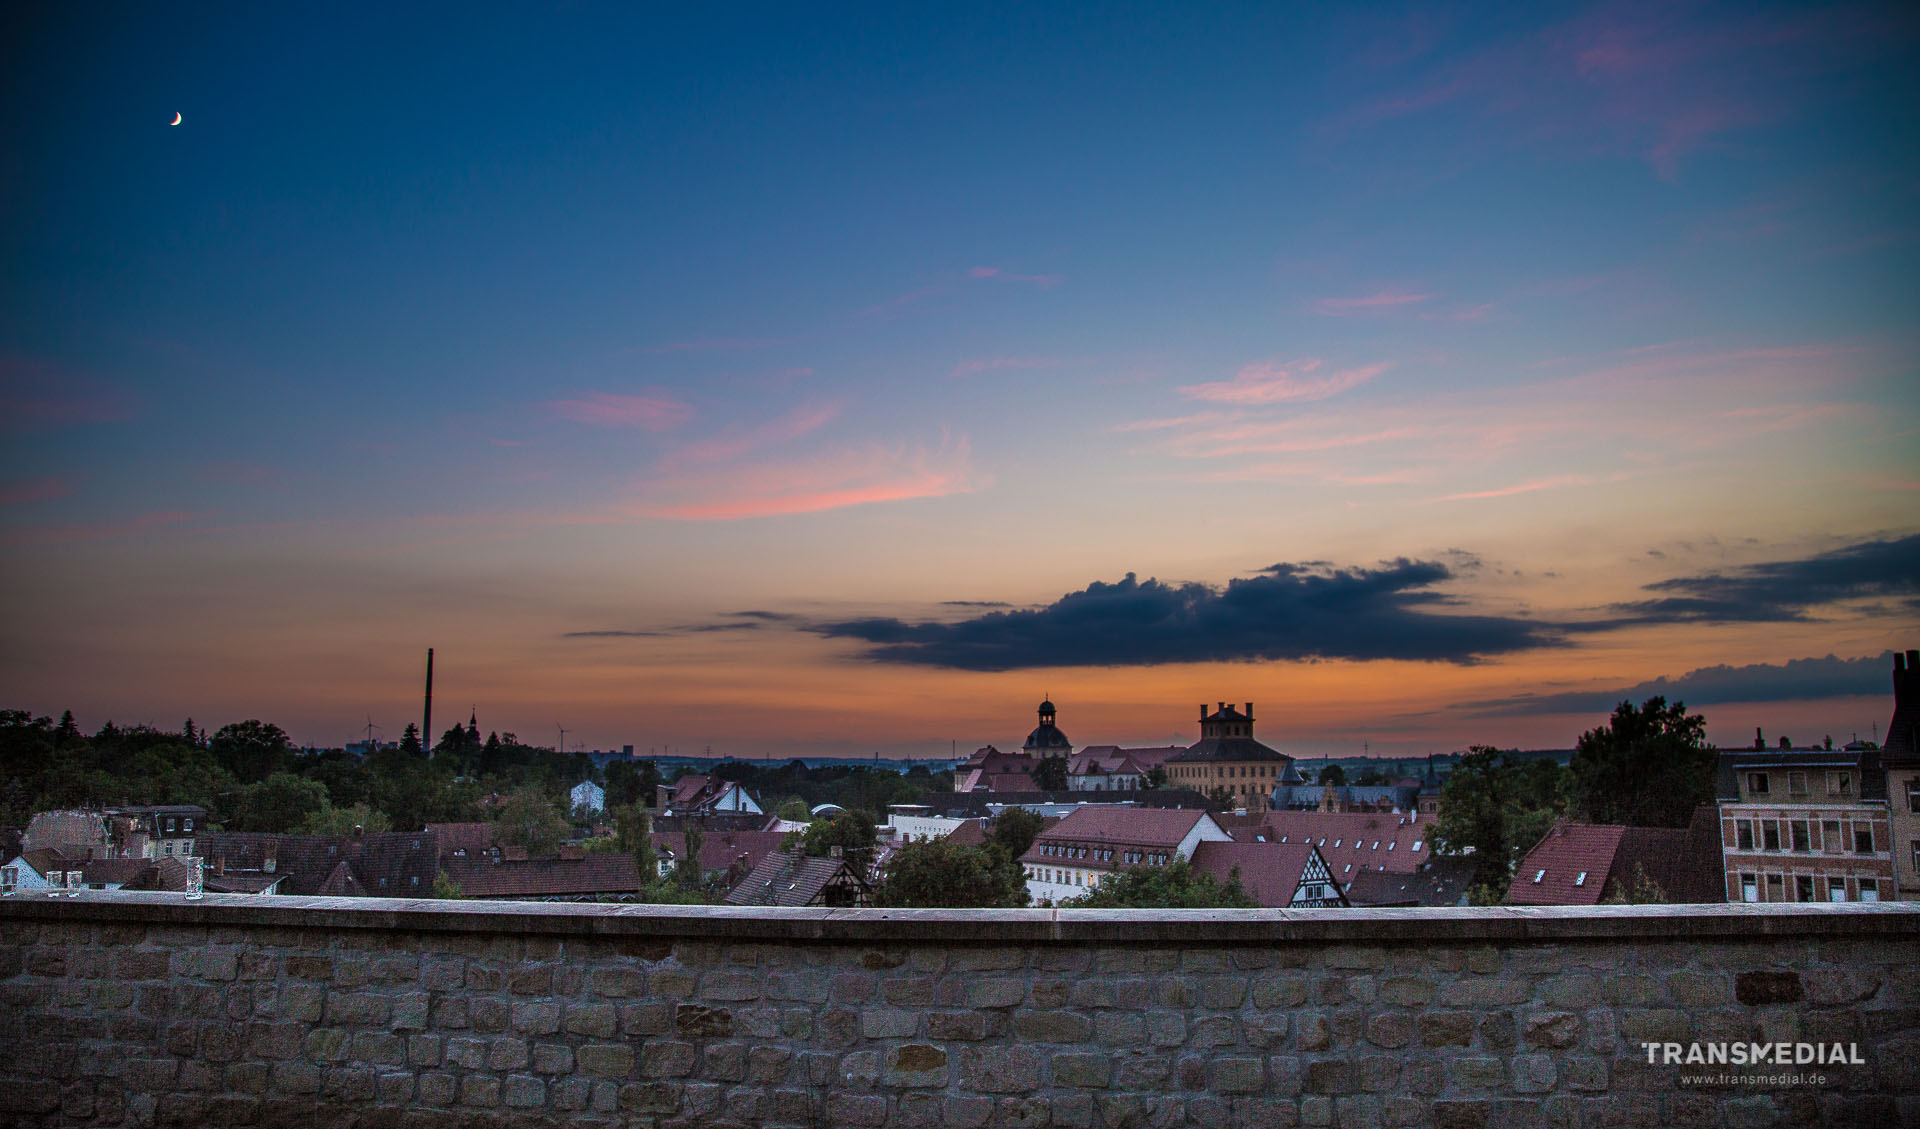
(802, 383)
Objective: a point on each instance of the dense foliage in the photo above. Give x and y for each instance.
(1495, 809)
(1176, 885)
(935, 873)
(1649, 766)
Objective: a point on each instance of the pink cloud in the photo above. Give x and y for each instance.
(1380, 302)
(37, 490)
(93, 531)
(1271, 382)
(829, 481)
(736, 441)
(1525, 487)
(654, 412)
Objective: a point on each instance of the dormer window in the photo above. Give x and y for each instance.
(1839, 783)
(1580, 879)
(1757, 784)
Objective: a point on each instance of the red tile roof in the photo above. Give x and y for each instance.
(720, 850)
(1269, 871)
(471, 838)
(1103, 824)
(1351, 841)
(1567, 867)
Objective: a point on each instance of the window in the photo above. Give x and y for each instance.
(1869, 889)
(1803, 888)
(1913, 794)
(416, 880)
(1801, 840)
(1840, 784)
(1863, 839)
(186, 825)
(1749, 888)
(1538, 875)
(1336, 842)
(1836, 889)
(1770, 834)
(1776, 888)
(10, 875)
(1796, 783)
(1916, 856)
(1392, 845)
(1830, 840)
(1416, 843)
(1743, 833)
(1580, 879)
(1756, 783)
(459, 852)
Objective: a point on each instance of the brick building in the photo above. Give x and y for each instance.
(1805, 825)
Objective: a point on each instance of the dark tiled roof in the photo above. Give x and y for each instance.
(383, 864)
(1443, 881)
(720, 850)
(1302, 796)
(972, 833)
(1271, 872)
(783, 880)
(1552, 872)
(1686, 864)
(473, 838)
(121, 871)
(1228, 749)
(609, 873)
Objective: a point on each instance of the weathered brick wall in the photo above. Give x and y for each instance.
(135, 1010)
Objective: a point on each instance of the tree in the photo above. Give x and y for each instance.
(689, 873)
(252, 750)
(1495, 810)
(282, 802)
(1332, 776)
(1647, 767)
(624, 785)
(1176, 885)
(1050, 775)
(1369, 777)
(1156, 778)
(445, 887)
(851, 831)
(935, 873)
(794, 810)
(410, 740)
(530, 820)
(1015, 829)
(343, 821)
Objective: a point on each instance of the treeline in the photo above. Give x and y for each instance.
(250, 777)
(1649, 766)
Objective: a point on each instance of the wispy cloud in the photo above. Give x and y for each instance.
(828, 481)
(37, 490)
(1275, 382)
(1552, 483)
(1382, 301)
(654, 411)
(736, 441)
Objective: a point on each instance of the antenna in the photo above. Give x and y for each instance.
(563, 736)
(426, 717)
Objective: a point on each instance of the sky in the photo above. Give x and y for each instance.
(785, 382)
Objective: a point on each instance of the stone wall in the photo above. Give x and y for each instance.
(143, 1009)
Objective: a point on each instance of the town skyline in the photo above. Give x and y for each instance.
(796, 385)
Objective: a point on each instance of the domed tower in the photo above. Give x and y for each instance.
(1046, 740)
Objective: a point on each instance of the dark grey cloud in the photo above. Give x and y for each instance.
(1794, 680)
(1781, 591)
(704, 628)
(763, 616)
(1287, 612)
(975, 604)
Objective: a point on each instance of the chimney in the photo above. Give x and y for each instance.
(220, 864)
(1203, 711)
(1249, 711)
(426, 717)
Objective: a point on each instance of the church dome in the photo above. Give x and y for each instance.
(1048, 737)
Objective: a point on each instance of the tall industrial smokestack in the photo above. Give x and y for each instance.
(426, 720)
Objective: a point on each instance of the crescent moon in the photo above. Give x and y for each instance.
(176, 118)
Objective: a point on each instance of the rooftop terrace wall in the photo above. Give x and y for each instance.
(141, 1009)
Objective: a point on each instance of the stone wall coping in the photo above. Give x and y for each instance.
(986, 926)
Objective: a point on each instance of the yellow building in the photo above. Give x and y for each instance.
(1227, 757)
